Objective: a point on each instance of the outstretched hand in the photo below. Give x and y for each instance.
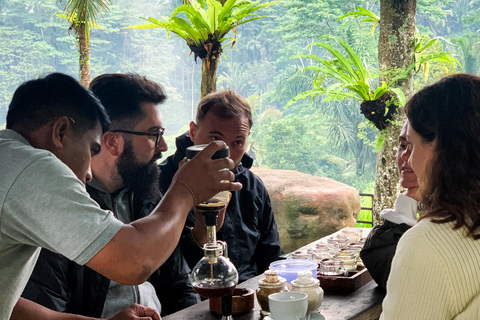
(137, 312)
(205, 176)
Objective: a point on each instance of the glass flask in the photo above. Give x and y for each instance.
(214, 276)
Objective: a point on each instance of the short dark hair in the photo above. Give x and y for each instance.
(123, 94)
(38, 101)
(448, 112)
(224, 104)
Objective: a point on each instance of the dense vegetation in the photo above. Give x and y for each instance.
(325, 138)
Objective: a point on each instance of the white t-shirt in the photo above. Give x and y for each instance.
(405, 211)
(42, 204)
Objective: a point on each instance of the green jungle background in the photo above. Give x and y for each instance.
(322, 138)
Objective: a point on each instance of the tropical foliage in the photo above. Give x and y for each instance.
(346, 75)
(35, 42)
(353, 79)
(82, 15)
(206, 28)
(368, 16)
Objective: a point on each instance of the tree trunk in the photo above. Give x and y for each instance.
(396, 47)
(209, 76)
(84, 60)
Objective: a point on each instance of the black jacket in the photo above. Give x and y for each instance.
(379, 249)
(63, 285)
(249, 229)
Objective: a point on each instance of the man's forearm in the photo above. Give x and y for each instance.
(141, 247)
(26, 309)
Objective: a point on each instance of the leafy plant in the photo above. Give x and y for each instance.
(468, 50)
(422, 59)
(352, 78)
(205, 30)
(368, 15)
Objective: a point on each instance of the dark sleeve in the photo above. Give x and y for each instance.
(268, 247)
(65, 286)
(48, 283)
(190, 249)
(172, 284)
(379, 249)
(169, 167)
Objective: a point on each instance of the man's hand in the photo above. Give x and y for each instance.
(205, 177)
(137, 312)
(26, 309)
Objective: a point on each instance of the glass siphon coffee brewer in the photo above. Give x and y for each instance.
(214, 276)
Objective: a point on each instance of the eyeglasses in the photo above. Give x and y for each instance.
(158, 135)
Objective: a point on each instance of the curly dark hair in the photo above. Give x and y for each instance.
(448, 112)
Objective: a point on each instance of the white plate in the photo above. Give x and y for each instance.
(316, 316)
(313, 316)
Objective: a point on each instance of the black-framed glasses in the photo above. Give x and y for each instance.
(158, 135)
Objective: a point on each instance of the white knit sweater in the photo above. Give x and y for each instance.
(435, 275)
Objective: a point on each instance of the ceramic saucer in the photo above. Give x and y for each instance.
(313, 316)
(316, 316)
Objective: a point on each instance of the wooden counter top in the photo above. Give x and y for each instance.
(362, 304)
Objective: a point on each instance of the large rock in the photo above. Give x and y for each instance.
(308, 207)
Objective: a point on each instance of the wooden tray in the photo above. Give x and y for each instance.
(349, 283)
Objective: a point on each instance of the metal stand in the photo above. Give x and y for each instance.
(227, 307)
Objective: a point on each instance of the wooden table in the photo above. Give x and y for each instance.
(362, 304)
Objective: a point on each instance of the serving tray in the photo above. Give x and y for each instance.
(350, 283)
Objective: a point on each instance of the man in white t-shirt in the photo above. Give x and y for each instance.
(54, 127)
(125, 181)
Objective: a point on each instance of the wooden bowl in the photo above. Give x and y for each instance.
(242, 302)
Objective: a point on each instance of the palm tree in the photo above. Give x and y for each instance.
(82, 14)
(468, 50)
(209, 21)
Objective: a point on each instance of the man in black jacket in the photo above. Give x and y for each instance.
(249, 228)
(125, 181)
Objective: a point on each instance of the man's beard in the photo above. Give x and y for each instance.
(141, 178)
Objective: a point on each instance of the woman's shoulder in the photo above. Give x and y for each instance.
(441, 240)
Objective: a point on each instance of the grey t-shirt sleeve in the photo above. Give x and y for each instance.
(48, 206)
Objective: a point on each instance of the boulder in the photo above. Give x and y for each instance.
(307, 207)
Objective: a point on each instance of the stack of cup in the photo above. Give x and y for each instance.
(349, 260)
(333, 267)
(302, 254)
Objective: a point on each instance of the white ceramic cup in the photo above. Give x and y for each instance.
(288, 305)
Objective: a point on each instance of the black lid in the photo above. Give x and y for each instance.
(193, 150)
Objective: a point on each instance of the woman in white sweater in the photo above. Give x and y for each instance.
(435, 271)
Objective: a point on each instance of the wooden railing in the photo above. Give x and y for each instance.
(367, 208)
